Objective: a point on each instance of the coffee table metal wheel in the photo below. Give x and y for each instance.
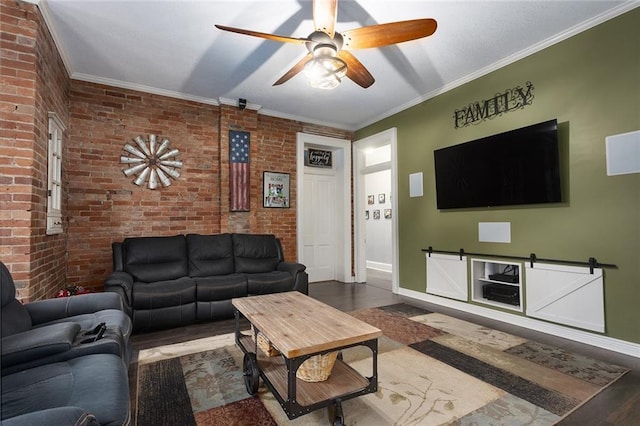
(251, 373)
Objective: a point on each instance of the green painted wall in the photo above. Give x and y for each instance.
(591, 84)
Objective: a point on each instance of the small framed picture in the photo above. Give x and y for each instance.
(381, 198)
(275, 190)
(370, 199)
(376, 214)
(366, 214)
(387, 213)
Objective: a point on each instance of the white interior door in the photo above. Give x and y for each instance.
(319, 228)
(328, 213)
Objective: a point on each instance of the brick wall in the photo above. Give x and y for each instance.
(34, 82)
(104, 205)
(100, 204)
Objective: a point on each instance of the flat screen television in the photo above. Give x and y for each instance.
(520, 166)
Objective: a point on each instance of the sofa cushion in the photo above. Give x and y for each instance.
(255, 253)
(213, 310)
(152, 259)
(15, 318)
(7, 286)
(210, 255)
(220, 287)
(97, 384)
(162, 294)
(159, 318)
(269, 282)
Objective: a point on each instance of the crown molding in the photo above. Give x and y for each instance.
(577, 29)
(142, 88)
(308, 120)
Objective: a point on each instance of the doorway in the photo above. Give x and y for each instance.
(324, 210)
(319, 225)
(375, 156)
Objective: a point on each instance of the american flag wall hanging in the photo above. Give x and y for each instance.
(239, 171)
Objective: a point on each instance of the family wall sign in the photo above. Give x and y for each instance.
(501, 103)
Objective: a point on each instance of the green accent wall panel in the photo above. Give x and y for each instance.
(591, 84)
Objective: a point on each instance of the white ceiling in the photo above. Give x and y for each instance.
(172, 48)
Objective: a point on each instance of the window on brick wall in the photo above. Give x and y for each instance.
(54, 184)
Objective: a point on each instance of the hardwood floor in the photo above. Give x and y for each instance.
(378, 278)
(619, 404)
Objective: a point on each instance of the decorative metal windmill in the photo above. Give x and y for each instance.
(151, 162)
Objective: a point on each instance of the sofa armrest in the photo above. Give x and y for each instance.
(301, 283)
(300, 277)
(122, 283)
(38, 343)
(43, 311)
(291, 267)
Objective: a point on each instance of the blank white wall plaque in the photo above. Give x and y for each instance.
(415, 185)
(623, 153)
(494, 232)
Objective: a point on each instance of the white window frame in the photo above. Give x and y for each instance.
(54, 175)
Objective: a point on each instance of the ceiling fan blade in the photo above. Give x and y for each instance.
(324, 16)
(355, 70)
(294, 70)
(283, 39)
(386, 34)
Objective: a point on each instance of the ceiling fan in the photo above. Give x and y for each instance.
(329, 59)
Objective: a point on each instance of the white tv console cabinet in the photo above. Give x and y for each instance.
(566, 295)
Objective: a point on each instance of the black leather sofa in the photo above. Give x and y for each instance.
(179, 280)
(64, 361)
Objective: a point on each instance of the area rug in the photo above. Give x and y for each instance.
(433, 370)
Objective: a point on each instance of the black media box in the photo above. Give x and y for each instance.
(506, 278)
(502, 293)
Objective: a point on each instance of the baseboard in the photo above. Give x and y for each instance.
(604, 342)
(386, 267)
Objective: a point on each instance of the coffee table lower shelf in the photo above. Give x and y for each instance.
(301, 397)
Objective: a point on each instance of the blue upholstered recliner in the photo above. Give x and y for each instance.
(63, 361)
(87, 390)
(54, 330)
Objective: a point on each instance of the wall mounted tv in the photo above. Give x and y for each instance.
(520, 166)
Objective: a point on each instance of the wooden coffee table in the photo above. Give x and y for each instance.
(300, 327)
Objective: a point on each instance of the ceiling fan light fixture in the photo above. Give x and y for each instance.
(325, 70)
